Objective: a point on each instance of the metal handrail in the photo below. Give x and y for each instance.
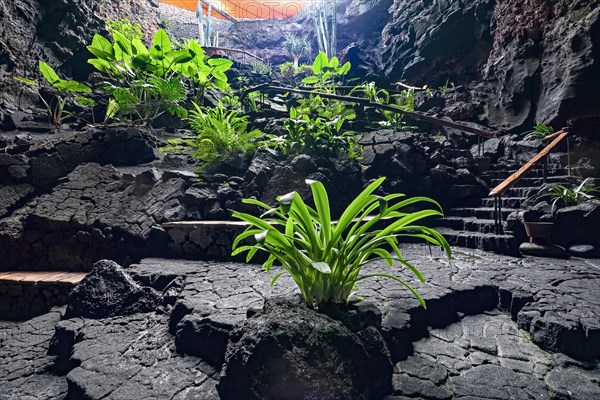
(514, 178)
(230, 50)
(509, 182)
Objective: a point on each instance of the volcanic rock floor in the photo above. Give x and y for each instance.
(496, 328)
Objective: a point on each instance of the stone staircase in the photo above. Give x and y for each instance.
(474, 227)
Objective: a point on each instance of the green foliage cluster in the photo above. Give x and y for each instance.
(444, 88)
(289, 70)
(262, 68)
(315, 136)
(316, 124)
(126, 28)
(404, 100)
(326, 72)
(559, 196)
(221, 133)
(325, 257)
(65, 90)
(539, 132)
(147, 82)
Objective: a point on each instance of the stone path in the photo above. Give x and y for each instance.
(487, 318)
(24, 366)
(488, 357)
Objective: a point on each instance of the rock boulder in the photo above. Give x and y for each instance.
(288, 351)
(109, 291)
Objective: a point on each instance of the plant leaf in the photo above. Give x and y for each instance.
(26, 81)
(48, 73)
(321, 266)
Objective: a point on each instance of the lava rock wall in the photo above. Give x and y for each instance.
(524, 61)
(56, 31)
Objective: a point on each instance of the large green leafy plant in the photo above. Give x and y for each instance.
(65, 90)
(324, 257)
(147, 82)
(326, 73)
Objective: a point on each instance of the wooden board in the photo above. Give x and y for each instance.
(34, 277)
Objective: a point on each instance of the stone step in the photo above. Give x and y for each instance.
(502, 244)
(506, 202)
(522, 192)
(478, 212)
(205, 240)
(537, 172)
(26, 294)
(538, 181)
(452, 153)
(468, 224)
(552, 164)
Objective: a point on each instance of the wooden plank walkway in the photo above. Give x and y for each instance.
(46, 277)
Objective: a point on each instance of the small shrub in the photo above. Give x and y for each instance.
(315, 136)
(221, 134)
(539, 132)
(325, 257)
(147, 82)
(65, 90)
(287, 69)
(126, 28)
(262, 68)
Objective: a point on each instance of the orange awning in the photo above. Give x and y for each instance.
(253, 9)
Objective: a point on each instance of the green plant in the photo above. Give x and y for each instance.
(324, 80)
(317, 136)
(221, 133)
(287, 69)
(66, 89)
(405, 101)
(372, 93)
(304, 69)
(559, 196)
(147, 82)
(325, 257)
(176, 145)
(539, 132)
(297, 46)
(326, 71)
(262, 68)
(326, 27)
(126, 28)
(443, 89)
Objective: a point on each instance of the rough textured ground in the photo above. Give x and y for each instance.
(487, 317)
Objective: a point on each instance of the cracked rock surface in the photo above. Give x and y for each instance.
(526, 329)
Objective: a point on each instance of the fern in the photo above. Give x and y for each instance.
(221, 133)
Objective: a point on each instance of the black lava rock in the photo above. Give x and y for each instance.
(109, 291)
(291, 352)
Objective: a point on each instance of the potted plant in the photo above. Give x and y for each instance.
(554, 196)
(325, 257)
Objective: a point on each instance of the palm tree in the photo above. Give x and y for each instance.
(297, 46)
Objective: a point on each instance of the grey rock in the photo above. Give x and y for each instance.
(543, 250)
(571, 384)
(583, 250)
